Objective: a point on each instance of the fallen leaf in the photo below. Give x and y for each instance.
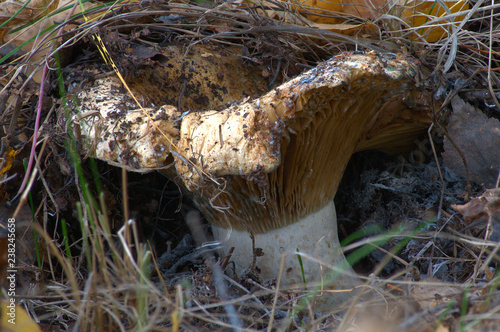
(432, 291)
(13, 11)
(6, 160)
(488, 204)
(472, 210)
(478, 138)
(364, 8)
(325, 8)
(488, 274)
(35, 11)
(442, 328)
(13, 318)
(417, 13)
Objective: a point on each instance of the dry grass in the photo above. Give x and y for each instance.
(95, 274)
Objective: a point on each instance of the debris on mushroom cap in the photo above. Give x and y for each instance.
(118, 131)
(201, 77)
(239, 141)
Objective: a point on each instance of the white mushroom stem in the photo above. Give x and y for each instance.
(314, 237)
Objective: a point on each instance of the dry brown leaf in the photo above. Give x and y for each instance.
(33, 10)
(488, 204)
(364, 8)
(431, 292)
(472, 210)
(478, 138)
(15, 319)
(488, 274)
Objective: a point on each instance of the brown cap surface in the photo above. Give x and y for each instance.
(282, 156)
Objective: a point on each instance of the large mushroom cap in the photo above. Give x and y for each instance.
(265, 172)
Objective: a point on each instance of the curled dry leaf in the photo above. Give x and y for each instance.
(432, 291)
(37, 16)
(12, 14)
(486, 206)
(33, 10)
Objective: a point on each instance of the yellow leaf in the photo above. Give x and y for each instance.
(15, 319)
(442, 328)
(323, 7)
(6, 160)
(364, 8)
(418, 12)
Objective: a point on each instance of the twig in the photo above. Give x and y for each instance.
(275, 300)
(193, 220)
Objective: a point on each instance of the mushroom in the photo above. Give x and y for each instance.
(264, 173)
